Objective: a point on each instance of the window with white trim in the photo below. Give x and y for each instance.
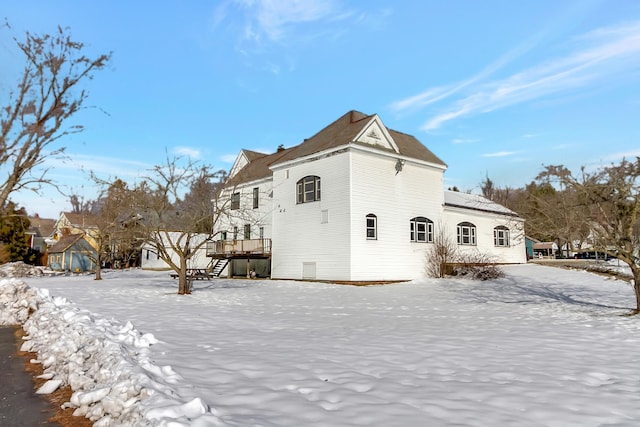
(501, 236)
(235, 201)
(421, 229)
(372, 227)
(308, 189)
(256, 197)
(467, 234)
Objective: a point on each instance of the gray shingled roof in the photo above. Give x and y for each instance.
(65, 243)
(341, 132)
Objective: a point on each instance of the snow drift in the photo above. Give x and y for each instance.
(105, 363)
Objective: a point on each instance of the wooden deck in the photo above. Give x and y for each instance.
(249, 248)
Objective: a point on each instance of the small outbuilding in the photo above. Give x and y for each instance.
(72, 253)
(545, 249)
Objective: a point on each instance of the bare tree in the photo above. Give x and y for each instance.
(114, 214)
(79, 204)
(34, 117)
(177, 228)
(441, 256)
(610, 200)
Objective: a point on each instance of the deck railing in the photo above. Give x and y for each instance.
(239, 247)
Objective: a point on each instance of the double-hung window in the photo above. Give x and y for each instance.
(421, 229)
(372, 227)
(235, 201)
(501, 236)
(256, 197)
(308, 189)
(467, 234)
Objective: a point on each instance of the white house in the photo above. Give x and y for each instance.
(151, 259)
(355, 202)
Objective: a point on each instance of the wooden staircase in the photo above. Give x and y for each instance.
(218, 266)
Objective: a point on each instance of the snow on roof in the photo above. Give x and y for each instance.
(475, 202)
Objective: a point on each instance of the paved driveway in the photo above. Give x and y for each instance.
(19, 404)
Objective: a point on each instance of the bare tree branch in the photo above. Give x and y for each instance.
(46, 97)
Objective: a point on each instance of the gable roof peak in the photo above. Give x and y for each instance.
(345, 130)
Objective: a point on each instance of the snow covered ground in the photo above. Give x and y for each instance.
(543, 346)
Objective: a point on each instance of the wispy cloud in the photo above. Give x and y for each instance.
(275, 20)
(594, 58)
(500, 154)
(192, 153)
(433, 95)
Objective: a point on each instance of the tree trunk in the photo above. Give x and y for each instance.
(98, 268)
(636, 288)
(184, 284)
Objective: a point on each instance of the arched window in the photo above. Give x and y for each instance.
(501, 236)
(466, 234)
(372, 227)
(308, 189)
(421, 229)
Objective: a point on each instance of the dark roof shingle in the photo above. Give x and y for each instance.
(64, 243)
(341, 132)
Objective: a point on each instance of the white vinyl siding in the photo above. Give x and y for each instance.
(236, 219)
(396, 198)
(485, 223)
(312, 232)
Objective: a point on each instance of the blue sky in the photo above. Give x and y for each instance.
(495, 88)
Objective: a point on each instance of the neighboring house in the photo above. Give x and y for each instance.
(39, 233)
(76, 223)
(72, 253)
(151, 259)
(355, 202)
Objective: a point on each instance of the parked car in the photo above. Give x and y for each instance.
(593, 255)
